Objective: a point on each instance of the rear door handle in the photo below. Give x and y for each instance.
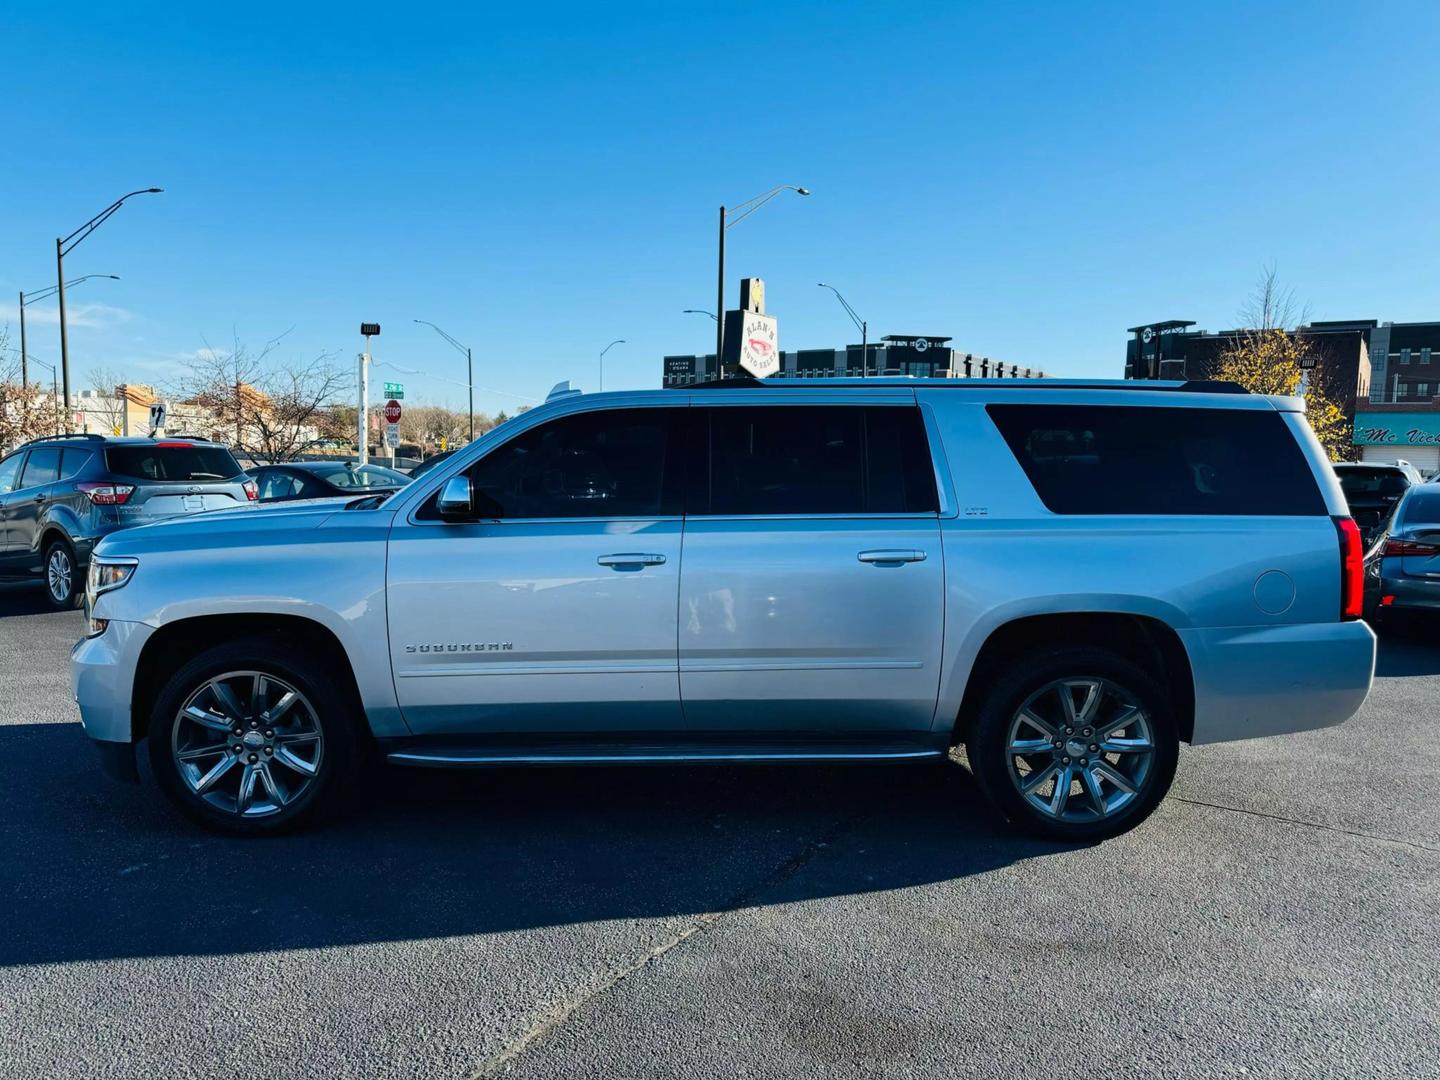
(631, 558)
(892, 556)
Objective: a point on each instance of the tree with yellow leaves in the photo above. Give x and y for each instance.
(1268, 359)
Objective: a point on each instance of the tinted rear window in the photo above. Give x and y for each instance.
(1422, 507)
(156, 461)
(1372, 482)
(1123, 459)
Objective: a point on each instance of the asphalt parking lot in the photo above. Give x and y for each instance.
(1275, 917)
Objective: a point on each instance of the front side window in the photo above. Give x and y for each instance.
(1124, 459)
(42, 468)
(816, 459)
(10, 472)
(607, 464)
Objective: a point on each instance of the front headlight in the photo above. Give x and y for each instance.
(108, 572)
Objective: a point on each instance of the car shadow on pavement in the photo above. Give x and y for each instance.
(92, 869)
(1408, 647)
(23, 598)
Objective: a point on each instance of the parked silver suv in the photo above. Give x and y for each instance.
(1070, 579)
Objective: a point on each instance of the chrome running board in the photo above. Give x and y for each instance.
(470, 757)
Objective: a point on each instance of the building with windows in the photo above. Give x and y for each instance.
(1400, 418)
(1171, 350)
(899, 354)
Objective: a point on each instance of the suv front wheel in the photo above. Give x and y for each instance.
(1077, 743)
(251, 737)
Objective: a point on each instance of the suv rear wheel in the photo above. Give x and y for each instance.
(251, 737)
(1076, 744)
(63, 587)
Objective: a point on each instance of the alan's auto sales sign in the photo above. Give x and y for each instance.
(759, 344)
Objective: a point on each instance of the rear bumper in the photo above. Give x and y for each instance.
(1410, 593)
(102, 675)
(1257, 681)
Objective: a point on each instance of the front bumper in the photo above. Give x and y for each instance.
(102, 675)
(1252, 682)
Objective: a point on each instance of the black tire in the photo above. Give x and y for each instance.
(282, 662)
(75, 592)
(990, 760)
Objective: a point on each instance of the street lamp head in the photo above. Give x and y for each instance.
(821, 285)
(802, 191)
(154, 190)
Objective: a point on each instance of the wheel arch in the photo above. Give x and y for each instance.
(175, 643)
(1143, 638)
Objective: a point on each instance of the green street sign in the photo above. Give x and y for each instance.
(395, 390)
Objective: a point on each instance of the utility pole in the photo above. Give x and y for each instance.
(362, 438)
(470, 378)
(24, 359)
(64, 344)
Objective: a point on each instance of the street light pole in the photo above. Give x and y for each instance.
(860, 323)
(469, 367)
(607, 348)
(729, 218)
(63, 247)
(720, 302)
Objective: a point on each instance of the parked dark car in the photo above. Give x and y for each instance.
(324, 480)
(1402, 568)
(1372, 492)
(60, 495)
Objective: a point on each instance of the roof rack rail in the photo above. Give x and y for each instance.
(1212, 386)
(63, 435)
(739, 382)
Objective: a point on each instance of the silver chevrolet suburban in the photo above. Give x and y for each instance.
(1068, 579)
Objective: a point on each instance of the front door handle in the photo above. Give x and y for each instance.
(631, 558)
(892, 556)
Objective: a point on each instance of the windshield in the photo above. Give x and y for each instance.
(1372, 483)
(361, 477)
(172, 461)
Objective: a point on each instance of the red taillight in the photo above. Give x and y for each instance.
(1352, 569)
(1410, 547)
(106, 494)
(187, 445)
(251, 491)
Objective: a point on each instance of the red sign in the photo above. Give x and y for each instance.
(392, 412)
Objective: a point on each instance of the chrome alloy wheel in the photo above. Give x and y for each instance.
(247, 743)
(1080, 749)
(59, 573)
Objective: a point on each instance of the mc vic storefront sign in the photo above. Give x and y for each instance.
(1397, 429)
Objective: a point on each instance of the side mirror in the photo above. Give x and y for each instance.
(455, 502)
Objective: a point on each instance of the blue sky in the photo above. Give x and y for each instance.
(540, 179)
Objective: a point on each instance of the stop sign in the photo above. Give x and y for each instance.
(392, 412)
